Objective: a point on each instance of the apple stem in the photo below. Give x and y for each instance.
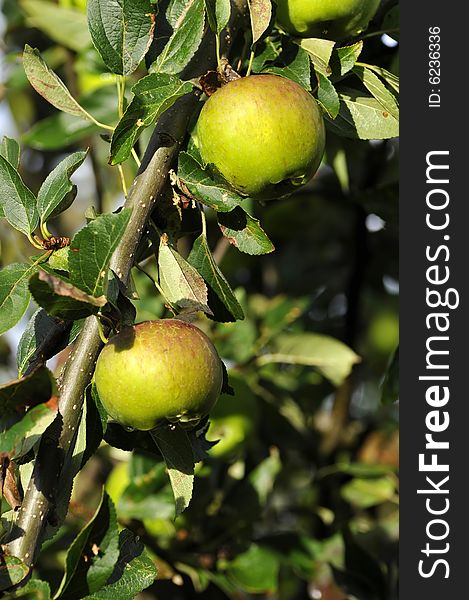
(251, 60)
(217, 46)
(122, 180)
(120, 84)
(204, 221)
(102, 335)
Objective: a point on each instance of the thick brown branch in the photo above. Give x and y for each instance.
(38, 504)
(57, 443)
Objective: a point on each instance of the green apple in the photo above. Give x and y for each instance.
(264, 134)
(157, 370)
(233, 419)
(334, 19)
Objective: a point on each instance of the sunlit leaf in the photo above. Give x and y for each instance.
(218, 14)
(91, 251)
(363, 117)
(49, 85)
(347, 56)
(261, 14)
(180, 282)
(134, 571)
(64, 25)
(122, 31)
(377, 88)
(14, 294)
(330, 356)
(184, 42)
(93, 554)
(10, 150)
(320, 52)
(213, 192)
(152, 96)
(202, 260)
(17, 200)
(244, 232)
(54, 195)
(176, 449)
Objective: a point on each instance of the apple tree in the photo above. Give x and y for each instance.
(215, 170)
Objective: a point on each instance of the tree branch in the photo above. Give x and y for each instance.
(57, 443)
(38, 504)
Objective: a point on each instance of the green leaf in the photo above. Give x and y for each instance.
(365, 493)
(184, 42)
(61, 285)
(202, 260)
(61, 130)
(244, 232)
(174, 445)
(91, 251)
(389, 78)
(148, 494)
(153, 95)
(212, 192)
(34, 336)
(122, 31)
(12, 571)
(363, 117)
(176, 11)
(57, 187)
(267, 52)
(296, 67)
(328, 96)
(218, 14)
(133, 573)
(94, 424)
(347, 56)
(255, 571)
(360, 470)
(260, 12)
(17, 201)
(263, 476)
(331, 357)
(66, 26)
(180, 283)
(376, 87)
(32, 390)
(279, 314)
(93, 554)
(64, 307)
(58, 260)
(49, 85)
(35, 589)
(10, 150)
(21, 437)
(14, 294)
(320, 52)
(390, 385)
(222, 13)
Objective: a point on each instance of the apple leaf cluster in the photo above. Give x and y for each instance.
(123, 86)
